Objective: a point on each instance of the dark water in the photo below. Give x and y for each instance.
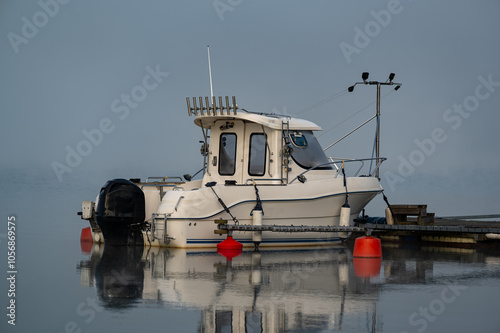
(62, 286)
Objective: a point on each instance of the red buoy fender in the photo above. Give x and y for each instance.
(367, 247)
(86, 240)
(86, 235)
(229, 244)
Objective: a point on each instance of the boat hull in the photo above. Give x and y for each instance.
(184, 217)
(318, 204)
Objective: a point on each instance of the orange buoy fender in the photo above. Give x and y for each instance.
(86, 235)
(86, 240)
(367, 247)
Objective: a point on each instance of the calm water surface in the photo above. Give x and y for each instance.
(64, 286)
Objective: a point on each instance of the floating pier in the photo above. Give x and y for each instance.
(366, 227)
(440, 231)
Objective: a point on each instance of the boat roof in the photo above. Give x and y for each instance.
(273, 121)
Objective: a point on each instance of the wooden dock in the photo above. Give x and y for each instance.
(403, 214)
(449, 231)
(412, 223)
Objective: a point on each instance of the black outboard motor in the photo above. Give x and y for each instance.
(121, 213)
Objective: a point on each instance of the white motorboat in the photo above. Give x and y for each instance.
(258, 168)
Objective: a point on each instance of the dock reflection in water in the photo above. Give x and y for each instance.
(320, 289)
(266, 291)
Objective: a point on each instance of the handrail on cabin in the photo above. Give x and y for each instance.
(334, 161)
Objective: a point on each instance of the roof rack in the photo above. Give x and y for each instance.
(211, 109)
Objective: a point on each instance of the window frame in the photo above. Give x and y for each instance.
(221, 147)
(311, 155)
(264, 160)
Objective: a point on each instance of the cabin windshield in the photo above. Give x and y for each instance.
(306, 150)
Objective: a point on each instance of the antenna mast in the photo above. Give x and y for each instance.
(210, 73)
(389, 82)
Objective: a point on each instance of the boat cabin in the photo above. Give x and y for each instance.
(241, 146)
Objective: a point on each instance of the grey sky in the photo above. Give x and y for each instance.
(69, 74)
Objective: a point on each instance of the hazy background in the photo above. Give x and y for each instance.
(279, 56)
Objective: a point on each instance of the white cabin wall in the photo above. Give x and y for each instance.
(271, 168)
(244, 130)
(213, 152)
(152, 200)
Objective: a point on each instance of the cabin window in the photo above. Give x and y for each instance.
(257, 155)
(298, 139)
(227, 154)
(306, 150)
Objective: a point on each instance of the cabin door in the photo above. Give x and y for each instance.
(227, 151)
(256, 160)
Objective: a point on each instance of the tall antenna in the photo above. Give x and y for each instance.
(210, 73)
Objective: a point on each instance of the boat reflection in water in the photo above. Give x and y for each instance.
(266, 291)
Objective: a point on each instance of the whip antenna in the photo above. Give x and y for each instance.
(210, 72)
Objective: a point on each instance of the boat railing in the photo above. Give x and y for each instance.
(162, 182)
(264, 180)
(164, 179)
(371, 172)
(338, 162)
(160, 186)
